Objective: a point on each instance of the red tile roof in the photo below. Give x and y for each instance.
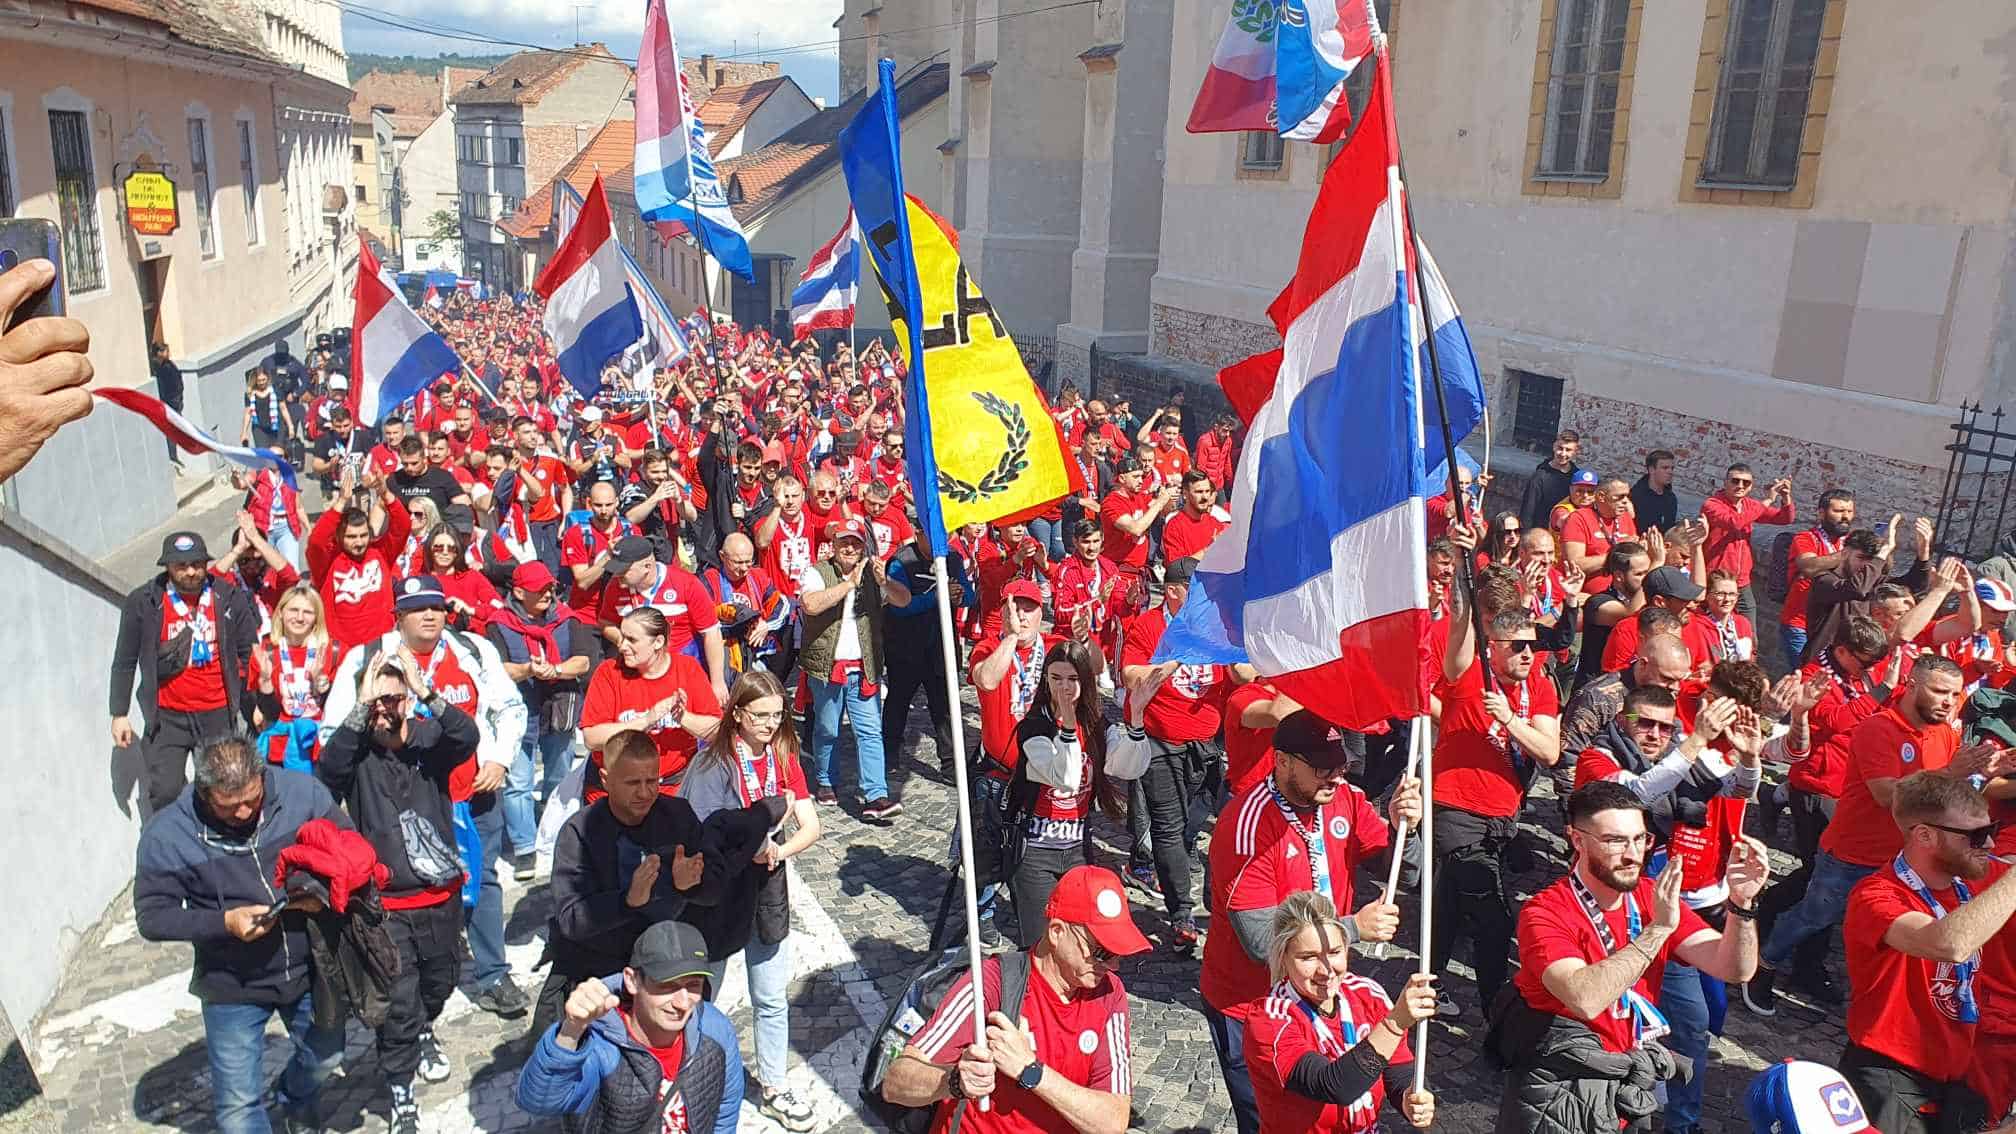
(611, 153)
(768, 175)
(526, 77)
(729, 109)
(210, 26)
(707, 74)
(411, 99)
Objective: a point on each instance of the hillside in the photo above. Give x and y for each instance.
(362, 63)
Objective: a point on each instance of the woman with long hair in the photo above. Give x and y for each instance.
(471, 596)
(292, 668)
(1059, 778)
(646, 686)
(1503, 546)
(425, 517)
(753, 756)
(1325, 1047)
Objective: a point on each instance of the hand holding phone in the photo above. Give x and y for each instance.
(43, 371)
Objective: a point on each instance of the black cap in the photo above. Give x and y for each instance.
(1128, 464)
(183, 547)
(421, 592)
(1671, 582)
(670, 950)
(630, 549)
(1178, 571)
(1317, 741)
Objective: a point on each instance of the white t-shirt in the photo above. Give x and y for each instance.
(849, 646)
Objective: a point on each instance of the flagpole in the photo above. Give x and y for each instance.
(947, 645)
(699, 232)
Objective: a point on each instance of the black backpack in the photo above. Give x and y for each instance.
(1777, 567)
(907, 1017)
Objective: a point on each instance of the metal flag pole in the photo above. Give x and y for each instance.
(970, 890)
(1416, 748)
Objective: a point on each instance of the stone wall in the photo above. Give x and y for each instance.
(1213, 341)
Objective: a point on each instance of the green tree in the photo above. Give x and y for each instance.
(442, 227)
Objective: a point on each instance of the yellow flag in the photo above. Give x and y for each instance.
(1000, 454)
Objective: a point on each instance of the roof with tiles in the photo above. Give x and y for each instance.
(526, 77)
(729, 109)
(610, 153)
(707, 74)
(410, 99)
(214, 27)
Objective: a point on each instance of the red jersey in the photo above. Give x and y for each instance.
(357, 593)
(1083, 1038)
(1185, 536)
(1171, 462)
(995, 574)
(1884, 747)
(458, 687)
(1848, 702)
(617, 693)
(1075, 583)
(1130, 551)
(1554, 926)
(1477, 767)
(891, 530)
(1597, 536)
(1004, 706)
(1248, 751)
(553, 475)
(580, 544)
(1191, 704)
(790, 552)
(197, 688)
(297, 672)
(1903, 1007)
(675, 593)
(1260, 856)
(1812, 541)
(1282, 1027)
(761, 775)
(1729, 527)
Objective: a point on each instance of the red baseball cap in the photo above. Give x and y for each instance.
(849, 528)
(1023, 589)
(532, 576)
(1091, 896)
(773, 454)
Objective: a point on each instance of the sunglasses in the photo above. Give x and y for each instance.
(1657, 726)
(391, 702)
(1979, 838)
(1741, 482)
(1098, 953)
(1516, 645)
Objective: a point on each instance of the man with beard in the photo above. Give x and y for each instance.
(1849, 588)
(585, 548)
(1914, 930)
(1593, 948)
(354, 569)
(1814, 551)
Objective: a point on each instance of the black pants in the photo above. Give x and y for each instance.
(1810, 816)
(561, 981)
(916, 659)
(171, 736)
(430, 961)
(779, 663)
(1035, 877)
(1180, 785)
(1897, 1099)
(1470, 897)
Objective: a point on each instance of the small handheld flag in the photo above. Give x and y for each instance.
(827, 292)
(191, 439)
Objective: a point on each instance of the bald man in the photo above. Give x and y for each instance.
(584, 550)
(759, 632)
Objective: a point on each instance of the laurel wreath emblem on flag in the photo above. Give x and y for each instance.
(1256, 17)
(1014, 459)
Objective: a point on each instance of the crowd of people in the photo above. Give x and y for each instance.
(623, 635)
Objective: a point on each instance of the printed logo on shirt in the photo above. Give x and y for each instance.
(1191, 680)
(1908, 752)
(1340, 827)
(1088, 1041)
(1945, 990)
(357, 584)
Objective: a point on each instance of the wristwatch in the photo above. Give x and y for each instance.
(1030, 1076)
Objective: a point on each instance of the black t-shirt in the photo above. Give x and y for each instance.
(333, 444)
(437, 485)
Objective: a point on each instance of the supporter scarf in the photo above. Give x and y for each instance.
(296, 685)
(202, 625)
(1331, 1045)
(753, 787)
(540, 644)
(1312, 840)
(1963, 972)
(1501, 737)
(1727, 632)
(1023, 681)
(1850, 687)
(1647, 1022)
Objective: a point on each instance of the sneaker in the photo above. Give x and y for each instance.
(881, 809)
(1758, 995)
(1819, 987)
(826, 795)
(434, 1065)
(1142, 878)
(990, 937)
(300, 1121)
(1183, 935)
(524, 866)
(405, 1115)
(787, 1108)
(504, 999)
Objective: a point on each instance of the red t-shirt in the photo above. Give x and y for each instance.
(552, 474)
(1084, 1039)
(1003, 707)
(1191, 704)
(1248, 751)
(1075, 583)
(891, 530)
(1257, 860)
(296, 671)
(198, 688)
(1553, 926)
(1128, 551)
(1905, 1007)
(1171, 463)
(579, 545)
(995, 574)
(672, 1104)
(676, 593)
(1185, 536)
(1281, 1028)
(1812, 541)
(459, 689)
(789, 554)
(617, 693)
(1597, 536)
(1886, 746)
(1473, 757)
(1845, 705)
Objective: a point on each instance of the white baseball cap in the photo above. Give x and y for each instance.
(1798, 1097)
(338, 382)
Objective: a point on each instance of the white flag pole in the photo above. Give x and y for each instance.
(970, 887)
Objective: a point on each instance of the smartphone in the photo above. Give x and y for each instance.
(272, 915)
(32, 238)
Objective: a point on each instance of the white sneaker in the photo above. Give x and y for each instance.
(434, 1065)
(788, 1108)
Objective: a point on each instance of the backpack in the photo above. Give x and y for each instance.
(907, 1017)
(1778, 565)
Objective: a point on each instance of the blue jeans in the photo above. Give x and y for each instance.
(542, 757)
(486, 921)
(1793, 640)
(235, 1035)
(1819, 911)
(1686, 1008)
(865, 714)
(1049, 533)
(769, 969)
(1228, 1037)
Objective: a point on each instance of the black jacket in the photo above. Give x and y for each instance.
(139, 647)
(399, 797)
(1547, 487)
(189, 871)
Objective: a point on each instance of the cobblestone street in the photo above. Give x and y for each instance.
(122, 1049)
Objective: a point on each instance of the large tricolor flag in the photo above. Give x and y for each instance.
(1280, 65)
(191, 439)
(674, 174)
(590, 313)
(1321, 580)
(827, 292)
(394, 354)
(667, 342)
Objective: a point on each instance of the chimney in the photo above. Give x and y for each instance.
(707, 66)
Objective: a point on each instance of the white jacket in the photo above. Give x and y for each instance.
(500, 720)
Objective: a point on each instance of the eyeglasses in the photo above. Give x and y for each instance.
(448, 547)
(763, 718)
(1618, 843)
(1655, 726)
(1980, 838)
(1098, 953)
(1516, 645)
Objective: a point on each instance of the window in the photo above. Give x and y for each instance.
(1261, 150)
(6, 170)
(76, 200)
(357, 193)
(476, 205)
(199, 176)
(1582, 85)
(1536, 410)
(473, 148)
(1760, 101)
(357, 155)
(513, 151)
(248, 181)
(510, 205)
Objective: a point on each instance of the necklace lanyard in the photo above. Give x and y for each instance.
(1312, 840)
(753, 787)
(1509, 746)
(1647, 1022)
(202, 625)
(1963, 971)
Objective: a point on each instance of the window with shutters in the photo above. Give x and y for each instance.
(199, 186)
(1262, 151)
(77, 200)
(1761, 98)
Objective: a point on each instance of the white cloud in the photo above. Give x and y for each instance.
(702, 23)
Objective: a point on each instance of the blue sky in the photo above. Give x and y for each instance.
(795, 33)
